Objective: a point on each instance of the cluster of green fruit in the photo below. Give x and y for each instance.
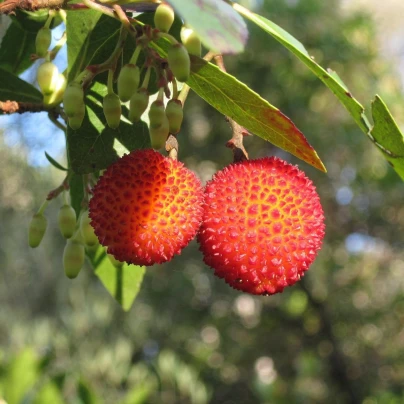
(78, 233)
(164, 118)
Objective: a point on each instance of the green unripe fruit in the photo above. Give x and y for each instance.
(115, 262)
(159, 134)
(164, 17)
(37, 229)
(179, 62)
(175, 115)
(112, 110)
(57, 96)
(191, 41)
(138, 104)
(128, 81)
(73, 258)
(87, 231)
(156, 113)
(42, 41)
(67, 221)
(47, 77)
(73, 99)
(75, 121)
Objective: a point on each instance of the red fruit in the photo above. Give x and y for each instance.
(146, 208)
(262, 225)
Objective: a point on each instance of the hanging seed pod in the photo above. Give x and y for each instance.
(164, 17)
(73, 258)
(87, 231)
(191, 41)
(75, 121)
(112, 110)
(73, 99)
(47, 77)
(179, 62)
(175, 115)
(138, 104)
(57, 96)
(42, 41)
(159, 134)
(67, 221)
(37, 229)
(128, 81)
(156, 113)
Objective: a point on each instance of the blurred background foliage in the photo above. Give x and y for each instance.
(337, 337)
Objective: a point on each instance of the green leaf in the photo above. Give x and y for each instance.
(86, 393)
(22, 374)
(218, 26)
(122, 283)
(14, 89)
(387, 135)
(91, 148)
(49, 393)
(76, 192)
(234, 99)
(54, 162)
(329, 78)
(16, 48)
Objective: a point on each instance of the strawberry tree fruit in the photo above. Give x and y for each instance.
(146, 208)
(164, 17)
(47, 77)
(191, 41)
(138, 104)
(57, 96)
(73, 258)
(128, 81)
(67, 221)
(157, 113)
(179, 62)
(175, 115)
(37, 229)
(42, 41)
(76, 120)
(112, 110)
(73, 100)
(262, 225)
(87, 230)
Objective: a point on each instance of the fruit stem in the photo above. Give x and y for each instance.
(146, 79)
(42, 208)
(65, 201)
(160, 95)
(110, 81)
(49, 19)
(165, 35)
(175, 89)
(136, 53)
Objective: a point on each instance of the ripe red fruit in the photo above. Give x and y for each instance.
(146, 208)
(262, 225)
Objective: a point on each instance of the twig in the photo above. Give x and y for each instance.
(8, 6)
(15, 107)
(236, 142)
(62, 187)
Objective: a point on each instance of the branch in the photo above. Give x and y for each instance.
(15, 107)
(9, 6)
(236, 142)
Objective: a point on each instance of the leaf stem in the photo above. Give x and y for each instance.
(136, 53)
(146, 79)
(110, 81)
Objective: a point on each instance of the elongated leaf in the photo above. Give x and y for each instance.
(122, 283)
(387, 135)
(218, 26)
(54, 162)
(16, 48)
(330, 79)
(76, 192)
(14, 89)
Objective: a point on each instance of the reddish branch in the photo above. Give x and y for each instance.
(236, 142)
(14, 107)
(8, 6)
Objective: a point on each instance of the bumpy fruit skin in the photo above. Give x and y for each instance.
(47, 77)
(87, 231)
(36, 230)
(262, 225)
(73, 258)
(128, 81)
(164, 17)
(191, 41)
(146, 208)
(67, 221)
(42, 41)
(175, 115)
(179, 62)
(112, 110)
(138, 104)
